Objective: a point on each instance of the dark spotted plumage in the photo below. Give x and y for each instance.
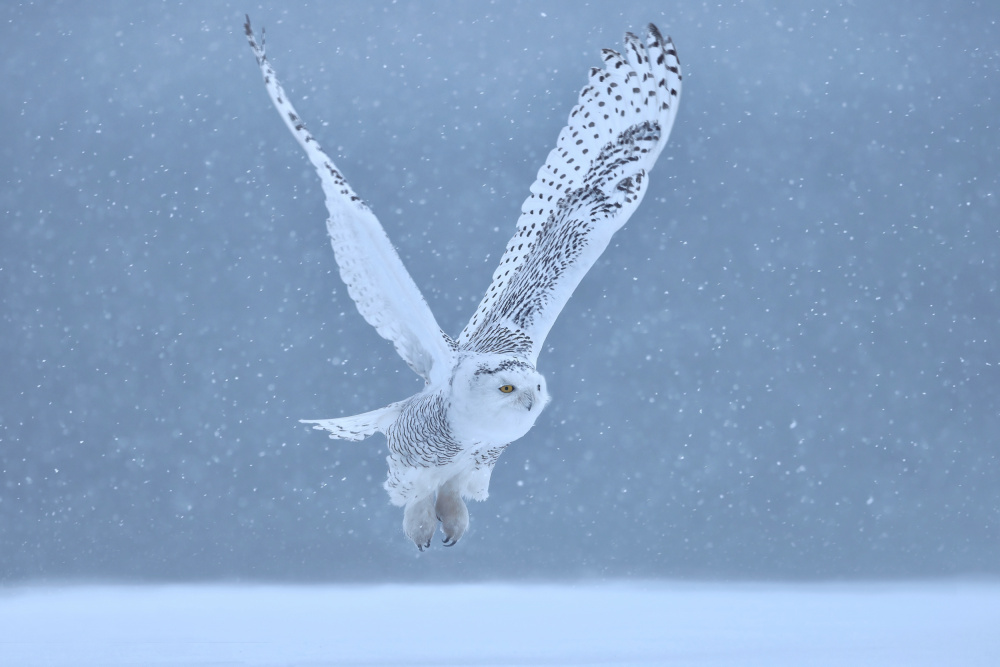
(588, 187)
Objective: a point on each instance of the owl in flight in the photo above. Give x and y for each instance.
(482, 390)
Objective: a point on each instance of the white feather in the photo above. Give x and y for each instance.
(376, 279)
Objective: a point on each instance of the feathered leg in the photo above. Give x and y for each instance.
(419, 521)
(452, 512)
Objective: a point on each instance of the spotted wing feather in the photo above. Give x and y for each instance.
(588, 187)
(376, 279)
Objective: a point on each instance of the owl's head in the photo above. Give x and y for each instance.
(495, 398)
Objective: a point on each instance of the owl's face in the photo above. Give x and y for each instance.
(495, 399)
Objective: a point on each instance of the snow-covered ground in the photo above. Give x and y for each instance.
(631, 623)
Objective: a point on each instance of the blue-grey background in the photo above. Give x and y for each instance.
(786, 365)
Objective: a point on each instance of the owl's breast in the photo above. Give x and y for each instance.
(422, 435)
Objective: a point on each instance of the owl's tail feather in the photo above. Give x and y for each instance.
(357, 427)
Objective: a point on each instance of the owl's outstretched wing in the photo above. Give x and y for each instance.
(376, 279)
(589, 186)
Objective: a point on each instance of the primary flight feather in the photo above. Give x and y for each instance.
(483, 391)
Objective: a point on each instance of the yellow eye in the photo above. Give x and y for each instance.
(507, 388)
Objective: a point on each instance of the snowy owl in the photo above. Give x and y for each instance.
(482, 390)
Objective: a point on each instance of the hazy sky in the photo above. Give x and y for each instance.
(785, 365)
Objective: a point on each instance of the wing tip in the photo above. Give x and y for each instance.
(665, 44)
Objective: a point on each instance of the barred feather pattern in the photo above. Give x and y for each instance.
(588, 187)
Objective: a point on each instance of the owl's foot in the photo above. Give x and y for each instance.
(453, 514)
(420, 522)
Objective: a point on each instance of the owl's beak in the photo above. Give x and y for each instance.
(527, 400)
